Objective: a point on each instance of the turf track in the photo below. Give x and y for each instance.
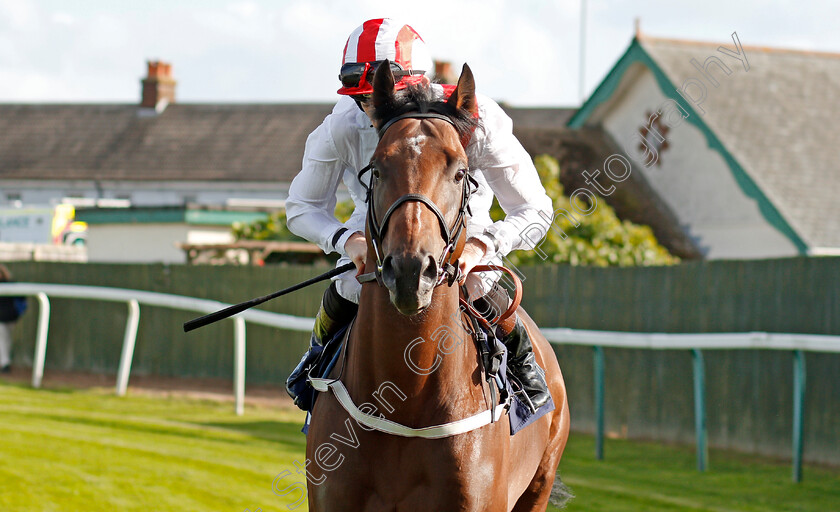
(87, 450)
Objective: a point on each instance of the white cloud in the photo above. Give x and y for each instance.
(244, 9)
(62, 18)
(19, 16)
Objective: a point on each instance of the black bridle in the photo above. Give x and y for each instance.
(447, 271)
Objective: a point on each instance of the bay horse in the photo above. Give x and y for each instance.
(419, 181)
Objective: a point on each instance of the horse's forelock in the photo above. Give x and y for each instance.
(423, 98)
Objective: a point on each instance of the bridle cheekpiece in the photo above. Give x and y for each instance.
(448, 271)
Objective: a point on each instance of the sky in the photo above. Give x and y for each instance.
(522, 52)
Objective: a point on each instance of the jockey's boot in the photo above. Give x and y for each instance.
(335, 312)
(523, 365)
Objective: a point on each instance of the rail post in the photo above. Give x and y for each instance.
(239, 365)
(700, 408)
(129, 340)
(598, 366)
(41, 339)
(798, 412)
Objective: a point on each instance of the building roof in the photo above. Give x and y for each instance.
(186, 142)
(775, 124)
(545, 118)
(190, 142)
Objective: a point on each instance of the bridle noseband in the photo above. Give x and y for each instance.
(448, 271)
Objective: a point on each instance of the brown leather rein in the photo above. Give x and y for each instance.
(507, 319)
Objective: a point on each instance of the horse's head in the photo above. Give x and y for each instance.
(419, 185)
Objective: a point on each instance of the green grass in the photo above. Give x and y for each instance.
(652, 477)
(71, 450)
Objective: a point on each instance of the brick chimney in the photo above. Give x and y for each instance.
(158, 85)
(444, 73)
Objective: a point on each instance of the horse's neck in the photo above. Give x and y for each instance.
(428, 357)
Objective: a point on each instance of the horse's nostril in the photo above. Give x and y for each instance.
(430, 270)
(388, 269)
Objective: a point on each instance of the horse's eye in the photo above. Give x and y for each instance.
(376, 173)
(459, 175)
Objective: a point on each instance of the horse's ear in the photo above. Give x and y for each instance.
(463, 97)
(383, 86)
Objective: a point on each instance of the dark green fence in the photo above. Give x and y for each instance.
(648, 393)
(86, 335)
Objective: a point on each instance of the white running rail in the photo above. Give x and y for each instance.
(133, 298)
(679, 341)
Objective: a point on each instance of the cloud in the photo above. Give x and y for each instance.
(62, 18)
(18, 16)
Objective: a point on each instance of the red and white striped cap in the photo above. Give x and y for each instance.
(381, 39)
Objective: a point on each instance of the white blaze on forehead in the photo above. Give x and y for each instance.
(415, 143)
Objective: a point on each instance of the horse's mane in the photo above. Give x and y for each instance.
(424, 99)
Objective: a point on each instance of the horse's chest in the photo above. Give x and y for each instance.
(362, 470)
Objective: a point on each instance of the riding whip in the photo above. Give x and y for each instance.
(229, 311)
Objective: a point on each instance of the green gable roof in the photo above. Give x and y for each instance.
(636, 53)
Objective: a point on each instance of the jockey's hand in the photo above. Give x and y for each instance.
(356, 249)
(474, 250)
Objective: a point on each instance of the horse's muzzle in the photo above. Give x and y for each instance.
(410, 279)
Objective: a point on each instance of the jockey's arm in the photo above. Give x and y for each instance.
(514, 180)
(311, 203)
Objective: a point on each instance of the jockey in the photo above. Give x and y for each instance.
(345, 142)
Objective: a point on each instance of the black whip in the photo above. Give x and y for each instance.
(195, 323)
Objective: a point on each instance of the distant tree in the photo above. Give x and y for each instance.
(601, 238)
(273, 227)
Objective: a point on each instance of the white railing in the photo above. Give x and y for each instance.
(133, 298)
(798, 344)
(709, 340)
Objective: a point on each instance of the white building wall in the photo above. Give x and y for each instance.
(146, 243)
(694, 179)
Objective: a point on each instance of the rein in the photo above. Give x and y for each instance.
(448, 270)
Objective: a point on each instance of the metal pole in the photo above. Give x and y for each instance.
(41, 339)
(582, 59)
(239, 365)
(128, 346)
(700, 409)
(798, 412)
(599, 401)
